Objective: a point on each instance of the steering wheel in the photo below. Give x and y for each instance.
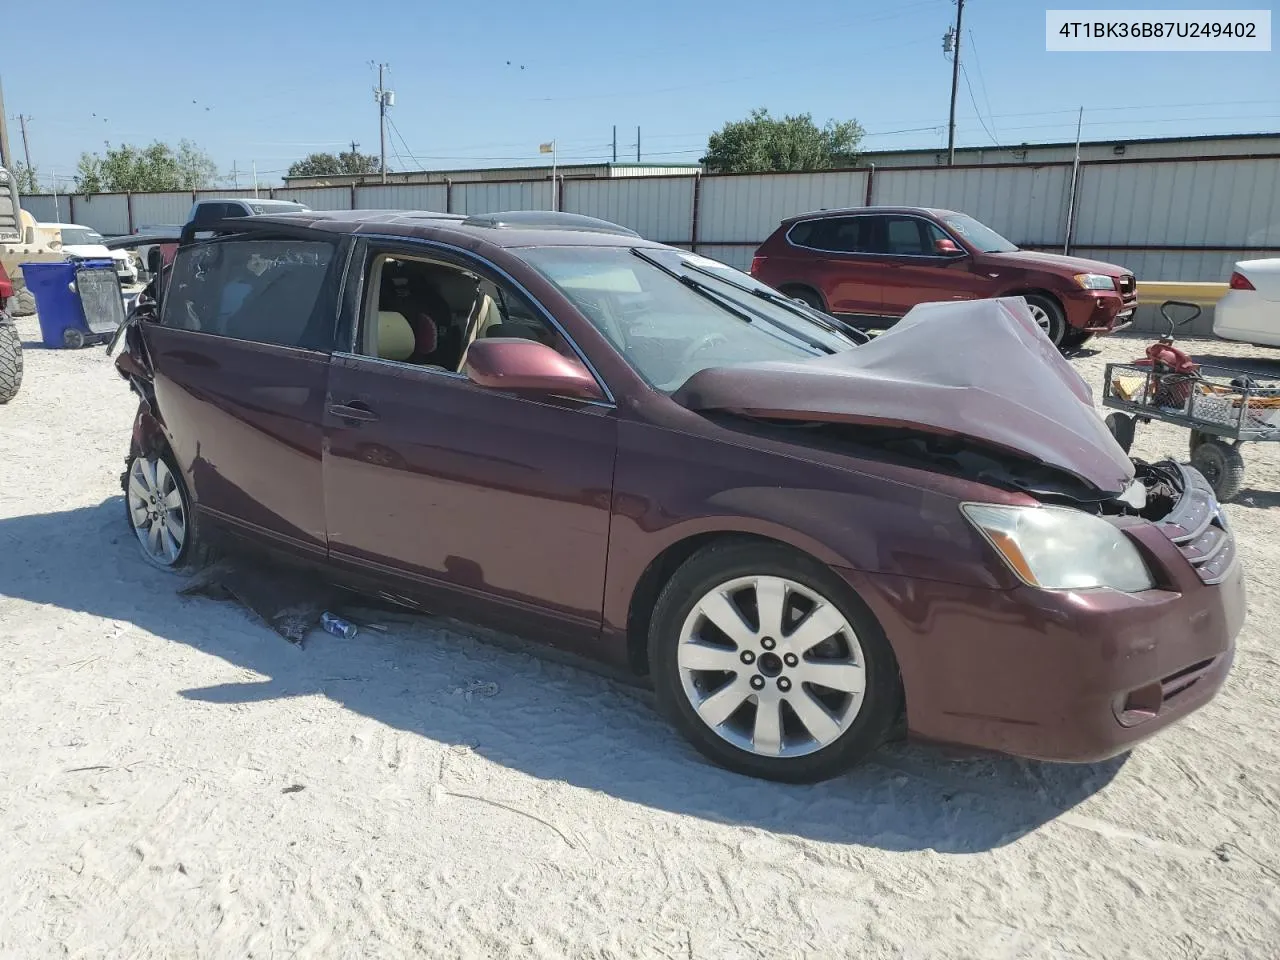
(701, 344)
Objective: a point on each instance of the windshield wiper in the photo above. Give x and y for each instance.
(701, 289)
(804, 311)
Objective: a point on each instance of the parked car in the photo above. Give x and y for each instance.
(870, 265)
(1250, 311)
(85, 242)
(800, 535)
(224, 207)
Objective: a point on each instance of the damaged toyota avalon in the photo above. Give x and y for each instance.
(806, 540)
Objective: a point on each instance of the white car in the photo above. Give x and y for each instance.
(1251, 309)
(85, 242)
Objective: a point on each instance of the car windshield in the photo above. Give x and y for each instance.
(979, 235)
(667, 329)
(78, 236)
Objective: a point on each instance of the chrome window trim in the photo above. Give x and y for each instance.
(466, 255)
(852, 253)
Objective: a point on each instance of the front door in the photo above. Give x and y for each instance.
(241, 359)
(493, 505)
(917, 273)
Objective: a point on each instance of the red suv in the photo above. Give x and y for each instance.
(873, 264)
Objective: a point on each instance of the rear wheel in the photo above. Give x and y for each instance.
(1049, 317)
(806, 295)
(10, 360)
(158, 509)
(1221, 465)
(770, 665)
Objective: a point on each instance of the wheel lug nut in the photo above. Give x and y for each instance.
(784, 684)
(757, 682)
(790, 659)
(767, 643)
(748, 656)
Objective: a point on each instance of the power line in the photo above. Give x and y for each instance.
(974, 101)
(982, 82)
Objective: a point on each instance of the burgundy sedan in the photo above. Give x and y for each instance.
(802, 537)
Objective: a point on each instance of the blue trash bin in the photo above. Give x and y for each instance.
(60, 290)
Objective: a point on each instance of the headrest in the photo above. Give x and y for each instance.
(395, 336)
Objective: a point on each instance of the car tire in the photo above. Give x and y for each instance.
(814, 731)
(806, 295)
(1049, 317)
(1221, 465)
(150, 519)
(1123, 428)
(10, 360)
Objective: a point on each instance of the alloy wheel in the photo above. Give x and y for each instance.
(1042, 318)
(771, 666)
(157, 510)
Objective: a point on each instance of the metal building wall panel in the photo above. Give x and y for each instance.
(736, 256)
(660, 210)
(46, 208)
(108, 213)
(496, 197)
(1193, 203)
(317, 198)
(746, 209)
(406, 196)
(1192, 266)
(1027, 205)
(155, 209)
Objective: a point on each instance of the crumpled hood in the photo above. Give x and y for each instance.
(980, 369)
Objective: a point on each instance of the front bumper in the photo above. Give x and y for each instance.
(1066, 676)
(1100, 312)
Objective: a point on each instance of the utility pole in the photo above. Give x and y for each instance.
(637, 144)
(385, 99)
(235, 175)
(26, 149)
(952, 43)
(615, 143)
(6, 158)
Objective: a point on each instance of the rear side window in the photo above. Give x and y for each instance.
(836, 234)
(264, 291)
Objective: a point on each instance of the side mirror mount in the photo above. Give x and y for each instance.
(526, 366)
(946, 247)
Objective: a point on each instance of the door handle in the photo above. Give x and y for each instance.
(355, 410)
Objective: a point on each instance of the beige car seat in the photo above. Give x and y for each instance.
(484, 314)
(395, 336)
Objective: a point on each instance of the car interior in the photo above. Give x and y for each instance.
(426, 313)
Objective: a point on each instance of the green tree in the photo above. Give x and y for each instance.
(145, 169)
(764, 144)
(27, 178)
(347, 163)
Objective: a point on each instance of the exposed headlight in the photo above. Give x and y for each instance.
(1056, 548)
(1095, 281)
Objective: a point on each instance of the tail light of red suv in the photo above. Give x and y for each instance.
(756, 264)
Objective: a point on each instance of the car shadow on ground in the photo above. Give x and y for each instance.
(543, 718)
(1257, 499)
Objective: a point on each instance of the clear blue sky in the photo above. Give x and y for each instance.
(268, 82)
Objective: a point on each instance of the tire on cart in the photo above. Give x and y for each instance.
(1198, 438)
(1122, 427)
(1221, 465)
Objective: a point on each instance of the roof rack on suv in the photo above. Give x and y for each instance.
(546, 220)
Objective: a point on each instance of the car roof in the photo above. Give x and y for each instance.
(516, 229)
(61, 226)
(264, 202)
(848, 211)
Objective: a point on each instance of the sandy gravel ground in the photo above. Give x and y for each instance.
(177, 781)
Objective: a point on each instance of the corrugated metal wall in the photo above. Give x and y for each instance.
(408, 196)
(1230, 206)
(1028, 205)
(46, 208)
(317, 198)
(747, 209)
(661, 209)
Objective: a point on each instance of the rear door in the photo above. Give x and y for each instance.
(241, 360)
(493, 504)
(915, 271)
(848, 269)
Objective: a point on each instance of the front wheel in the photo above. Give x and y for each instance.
(1049, 318)
(159, 512)
(770, 665)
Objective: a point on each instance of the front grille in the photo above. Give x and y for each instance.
(1199, 529)
(1127, 285)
